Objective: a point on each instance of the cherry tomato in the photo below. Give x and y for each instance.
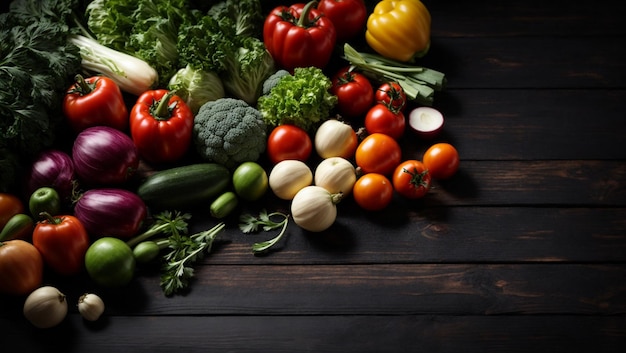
(373, 191)
(62, 242)
(392, 95)
(441, 160)
(21, 267)
(385, 121)
(378, 153)
(348, 16)
(354, 92)
(411, 179)
(288, 142)
(10, 205)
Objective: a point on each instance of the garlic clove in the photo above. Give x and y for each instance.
(90, 306)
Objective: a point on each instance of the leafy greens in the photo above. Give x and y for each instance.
(36, 66)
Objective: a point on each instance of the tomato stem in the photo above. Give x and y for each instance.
(417, 179)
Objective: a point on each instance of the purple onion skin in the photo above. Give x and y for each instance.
(52, 168)
(110, 212)
(104, 156)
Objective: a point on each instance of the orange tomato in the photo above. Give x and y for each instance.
(441, 160)
(378, 153)
(10, 205)
(21, 267)
(373, 191)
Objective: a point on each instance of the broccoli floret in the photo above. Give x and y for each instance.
(273, 80)
(228, 131)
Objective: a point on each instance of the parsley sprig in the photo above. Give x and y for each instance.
(250, 224)
(185, 250)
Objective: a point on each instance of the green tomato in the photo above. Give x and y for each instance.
(110, 262)
(250, 181)
(44, 199)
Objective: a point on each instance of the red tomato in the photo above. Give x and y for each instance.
(378, 153)
(62, 242)
(348, 16)
(10, 205)
(354, 92)
(161, 125)
(373, 191)
(392, 95)
(288, 142)
(385, 121)
(411, 179)
(441, 160)
(21, 267)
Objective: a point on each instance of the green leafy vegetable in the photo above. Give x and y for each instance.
(247, 65)
(36, 66)
(251, 224)
(246, 16)
(196, 87)
(419, 83)
(302, 99)
(147, 29)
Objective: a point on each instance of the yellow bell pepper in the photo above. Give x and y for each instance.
(399, 29)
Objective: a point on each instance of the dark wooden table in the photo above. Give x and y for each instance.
(523, 251)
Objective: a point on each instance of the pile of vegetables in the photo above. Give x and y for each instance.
(221, 117)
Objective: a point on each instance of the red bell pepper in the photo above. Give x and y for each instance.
(95, 101)
(62, 242)
(161, 126)
(299, 36)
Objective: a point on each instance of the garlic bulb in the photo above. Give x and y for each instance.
(90, 306)
(45, 307)
(336, 174)
(288, 177)
(314, 208)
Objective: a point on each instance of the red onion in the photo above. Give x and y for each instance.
(110, 212)
(52, 168)
(103, 155)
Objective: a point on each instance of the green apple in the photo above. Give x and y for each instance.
(44, 199)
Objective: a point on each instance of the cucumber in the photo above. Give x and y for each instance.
(18, 227)
(224, 205)
(184, 187)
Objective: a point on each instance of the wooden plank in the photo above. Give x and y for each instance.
(386, 289)
(358, 334)
(458, 18)
(551, 124)
(442, 235)
(529, 62)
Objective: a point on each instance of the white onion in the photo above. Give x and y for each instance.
(314, 208)
(288, 177)
(336, 174)
(45, 307)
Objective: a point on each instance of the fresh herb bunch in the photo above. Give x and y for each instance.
(185, 250)
(250, 224)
